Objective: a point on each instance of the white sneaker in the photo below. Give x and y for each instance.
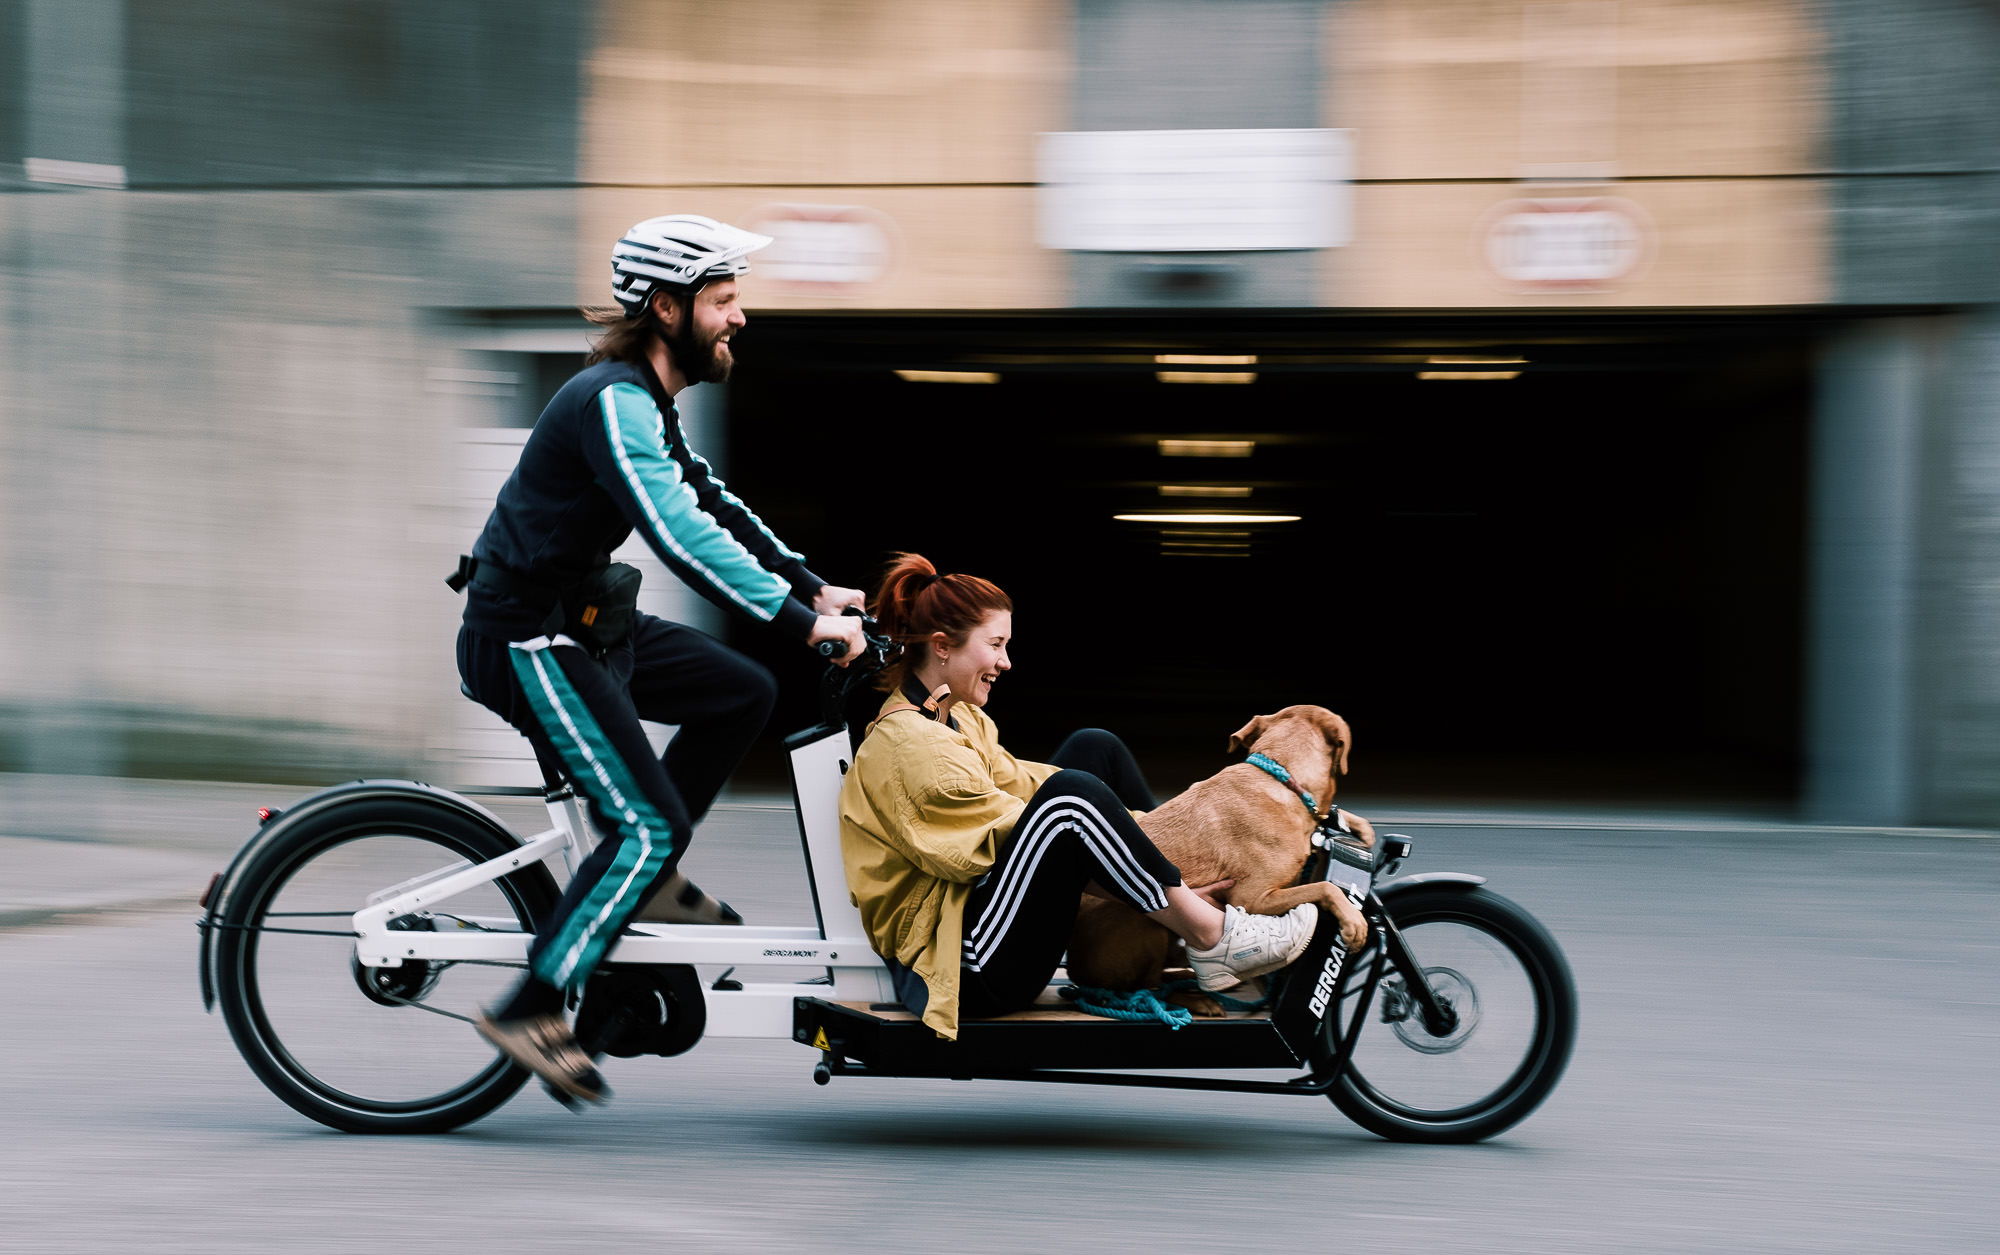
(1252, 945)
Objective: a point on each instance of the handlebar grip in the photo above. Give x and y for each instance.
(832, 649)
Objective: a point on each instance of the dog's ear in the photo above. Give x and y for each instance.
(1339, 738)
(1246, 736)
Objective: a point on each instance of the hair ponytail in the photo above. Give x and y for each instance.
(912, 602)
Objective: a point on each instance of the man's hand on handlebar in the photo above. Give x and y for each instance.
(833, 599)
(838, 637)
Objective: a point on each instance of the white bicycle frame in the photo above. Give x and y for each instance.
(758, 1009)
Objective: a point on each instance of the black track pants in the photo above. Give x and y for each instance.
(1103, 755)
(584, 713)
(1075, 830)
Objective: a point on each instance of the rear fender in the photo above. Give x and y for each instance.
(318, 804)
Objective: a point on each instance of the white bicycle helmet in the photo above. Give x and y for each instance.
(679, 252)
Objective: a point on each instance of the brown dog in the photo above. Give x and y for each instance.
(1240, 824)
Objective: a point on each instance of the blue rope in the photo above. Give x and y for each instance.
(1143, 1006)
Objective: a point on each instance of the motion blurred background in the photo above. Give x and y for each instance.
(1590, 399)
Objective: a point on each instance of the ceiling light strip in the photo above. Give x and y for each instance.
(1238, 519)
(1206, 376)
(948, 376)
(1181, 447)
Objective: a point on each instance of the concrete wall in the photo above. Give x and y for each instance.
(1905, 724)
(1914, 140)
(1703, 117)
(923, 116)
(222, 471)
(222, 446)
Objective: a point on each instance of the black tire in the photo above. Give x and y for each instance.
(1546, 1041)
(422, 830)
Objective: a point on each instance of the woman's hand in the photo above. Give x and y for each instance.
(833, 599)
(1214, 894)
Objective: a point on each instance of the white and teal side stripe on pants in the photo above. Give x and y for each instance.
(569, 949)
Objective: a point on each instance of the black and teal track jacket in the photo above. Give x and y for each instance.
(606, 458)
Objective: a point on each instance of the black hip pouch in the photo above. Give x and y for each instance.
(599, 609)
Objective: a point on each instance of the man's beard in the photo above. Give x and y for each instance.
(701, 359)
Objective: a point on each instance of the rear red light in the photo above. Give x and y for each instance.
(208, 893)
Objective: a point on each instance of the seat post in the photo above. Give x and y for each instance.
(565, 810)
(558, 795)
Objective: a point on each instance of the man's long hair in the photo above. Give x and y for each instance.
(629, 337)
(625, 337)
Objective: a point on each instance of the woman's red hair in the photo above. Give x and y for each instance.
(912, 601)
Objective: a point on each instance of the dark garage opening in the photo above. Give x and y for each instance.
(1581, 583)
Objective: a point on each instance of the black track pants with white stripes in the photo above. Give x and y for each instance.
(585, 713)
(1075, 830)
(1103, 755)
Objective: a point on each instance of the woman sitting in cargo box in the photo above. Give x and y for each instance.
(968, 863)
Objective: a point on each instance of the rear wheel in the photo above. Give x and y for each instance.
(371, 1050)
(1514, 1005)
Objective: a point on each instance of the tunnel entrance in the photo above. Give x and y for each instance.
(1579, 577)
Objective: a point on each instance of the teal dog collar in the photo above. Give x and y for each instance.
(1277, 770)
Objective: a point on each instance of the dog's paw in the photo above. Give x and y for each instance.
(1203, 1006)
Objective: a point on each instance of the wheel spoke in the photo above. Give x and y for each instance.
(424, 1006)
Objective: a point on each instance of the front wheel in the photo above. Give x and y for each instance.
(1514, 1006)
(364, 1049)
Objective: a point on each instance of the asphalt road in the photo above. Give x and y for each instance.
(1788, 1043)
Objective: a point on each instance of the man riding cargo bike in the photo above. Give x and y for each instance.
(554, 644)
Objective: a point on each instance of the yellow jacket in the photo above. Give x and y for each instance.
(923, 812)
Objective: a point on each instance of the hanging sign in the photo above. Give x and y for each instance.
(825, 248)
(1565, 244)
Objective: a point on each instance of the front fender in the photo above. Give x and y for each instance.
(317, 803)
(1448, 880)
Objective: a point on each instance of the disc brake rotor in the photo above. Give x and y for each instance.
(1403, 1015)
